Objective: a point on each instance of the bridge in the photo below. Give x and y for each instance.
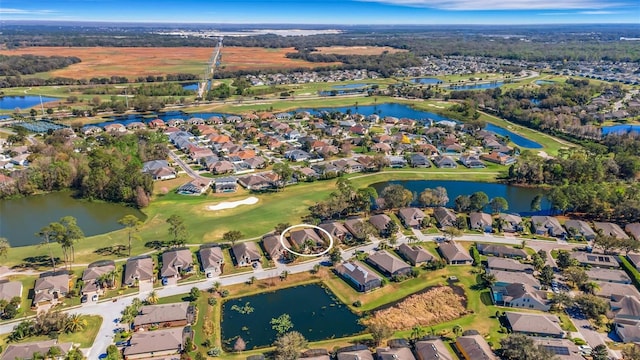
(207, 78)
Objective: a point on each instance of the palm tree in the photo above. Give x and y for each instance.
(591, 287)
(417, 332)
(4, 247)
(75, 323)
(132, 224)
(457, 330)
(153, 297)
(48, 234)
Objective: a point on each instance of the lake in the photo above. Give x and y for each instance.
(515, 138)
(23, 217)
(23, 102)
(349, 86)
(545, 82)
(190, 87)
(315, 312)
(483, 86)
(519, 198)
(426, 81)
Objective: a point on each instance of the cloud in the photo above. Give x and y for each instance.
(598, 12)
(8, 11)
(502, 4)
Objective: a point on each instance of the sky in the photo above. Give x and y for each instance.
(342, 12)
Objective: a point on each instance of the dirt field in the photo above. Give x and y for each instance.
(133, 62)
(357, 50)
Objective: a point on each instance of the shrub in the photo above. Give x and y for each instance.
(633, 273)
(357, 303)
(212, 301)
(475, 255)
(224, 293)
(215, 352)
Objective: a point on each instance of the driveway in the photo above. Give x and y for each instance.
(592, 337)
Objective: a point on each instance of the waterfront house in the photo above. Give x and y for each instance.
(579, 230)
(419, 160)
(444, 216)
(634, 230)
(92, 278)
(380, 223)
(160, 343)
(300, 238)
(547, 226)
(50, 288)
(411, 217)
(388, 264)
(361, 277)
(481, 221)
(337, 231)
(610, 229)
(498, 158)
(394, 353)
(445, 162)
(212, 260)
(511, 223)
(354, 352)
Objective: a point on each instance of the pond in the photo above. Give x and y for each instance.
(545, 82)
(519, 198)
(515, 138)
(23, 102)
(190, 86)
(349, 86)
(426, 81)
(620, 129)
(23, 217)
(315, 312)
(483, 86)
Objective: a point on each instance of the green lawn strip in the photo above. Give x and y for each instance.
(83, 339)
(565, 323)
(631, 270)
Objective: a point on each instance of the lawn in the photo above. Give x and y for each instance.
(83, 339)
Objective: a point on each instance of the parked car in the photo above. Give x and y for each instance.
(585, 349)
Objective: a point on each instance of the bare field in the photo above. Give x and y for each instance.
(357, 50)
(141, 61)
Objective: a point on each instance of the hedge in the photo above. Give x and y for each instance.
(631, 270)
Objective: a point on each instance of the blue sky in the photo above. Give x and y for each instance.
(328, 11)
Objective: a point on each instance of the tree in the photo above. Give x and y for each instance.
(153, 297)
(591, 287)
(592, 306)
(457, 329)
(54, 352)
(417, 332)
(537, 261)
(462, 203)
(546, 275)
(434, 197)
(284, 172)
(478, 200)
(289, 346)
(451, 232)
(232, 236)
(4, 247)
(561, 301)
(379, 332)
(565, 260)
(631, 353)
(335, 255)
(239, 345)
(575, 275)
(281, 324)
(194, 294)
(177, 229)
(49, 234)
(498, 204)
(281, 227)
(522, 347)
(607, 243)
(600, 352)
(489, 279)
(396, 196)
(72, 234)
(113, 353)
(75, 323)
(75, 354)
(536, 203)
(132, 224)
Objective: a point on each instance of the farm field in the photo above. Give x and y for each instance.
(139, 61)
(357, 50)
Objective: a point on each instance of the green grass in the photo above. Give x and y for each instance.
(83, 339)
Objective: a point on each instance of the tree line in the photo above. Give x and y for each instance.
(18, 81)
(12, 65)
(386, 64)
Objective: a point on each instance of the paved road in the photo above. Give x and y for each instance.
(592, 337)
(192, 173)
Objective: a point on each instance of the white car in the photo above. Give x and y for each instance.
(585, 349)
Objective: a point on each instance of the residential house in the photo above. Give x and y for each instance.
(547, 226)
(222, 167)
(502, 251)
(91, 278)
(138, 270)
(502, 264)
(337, 230)
(579, 230)
(481, 221)
(256, 162)
(156, 123)
(394, 353)
(297, 155)
(115, 128)
(610, 229)
(10, 290)
(626, 317)
(354, 352)
(314, 354)
(274, 248)
(634, 259)
(159, 170)
(445, 162)
(562, 349)
(432, 350)
(355, 227)
(299, 238)
(388, 264)
(634, 230)
(136, 125)
(415, 254)
(382, 148)
(225, 184)
(194, 187)
(506, 278)
(164, 316)
(474, 347)
(519, 295)
(212, 260)
(472, 161)
(419, 160)
(534, 324)
(608, 275)
(380, 223)
(396, 161)
(246, 253)
(361, 277)
(255, 182)
(455, 254)
(498, 158)
(511, 223)
(50, 288)
(166, 342)
(444, 216)
(89, 130)
(609, 290)
(597, 260)
(174, 262)
(27, 351)
(411, 217)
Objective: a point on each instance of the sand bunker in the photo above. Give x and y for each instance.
(231, 204)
